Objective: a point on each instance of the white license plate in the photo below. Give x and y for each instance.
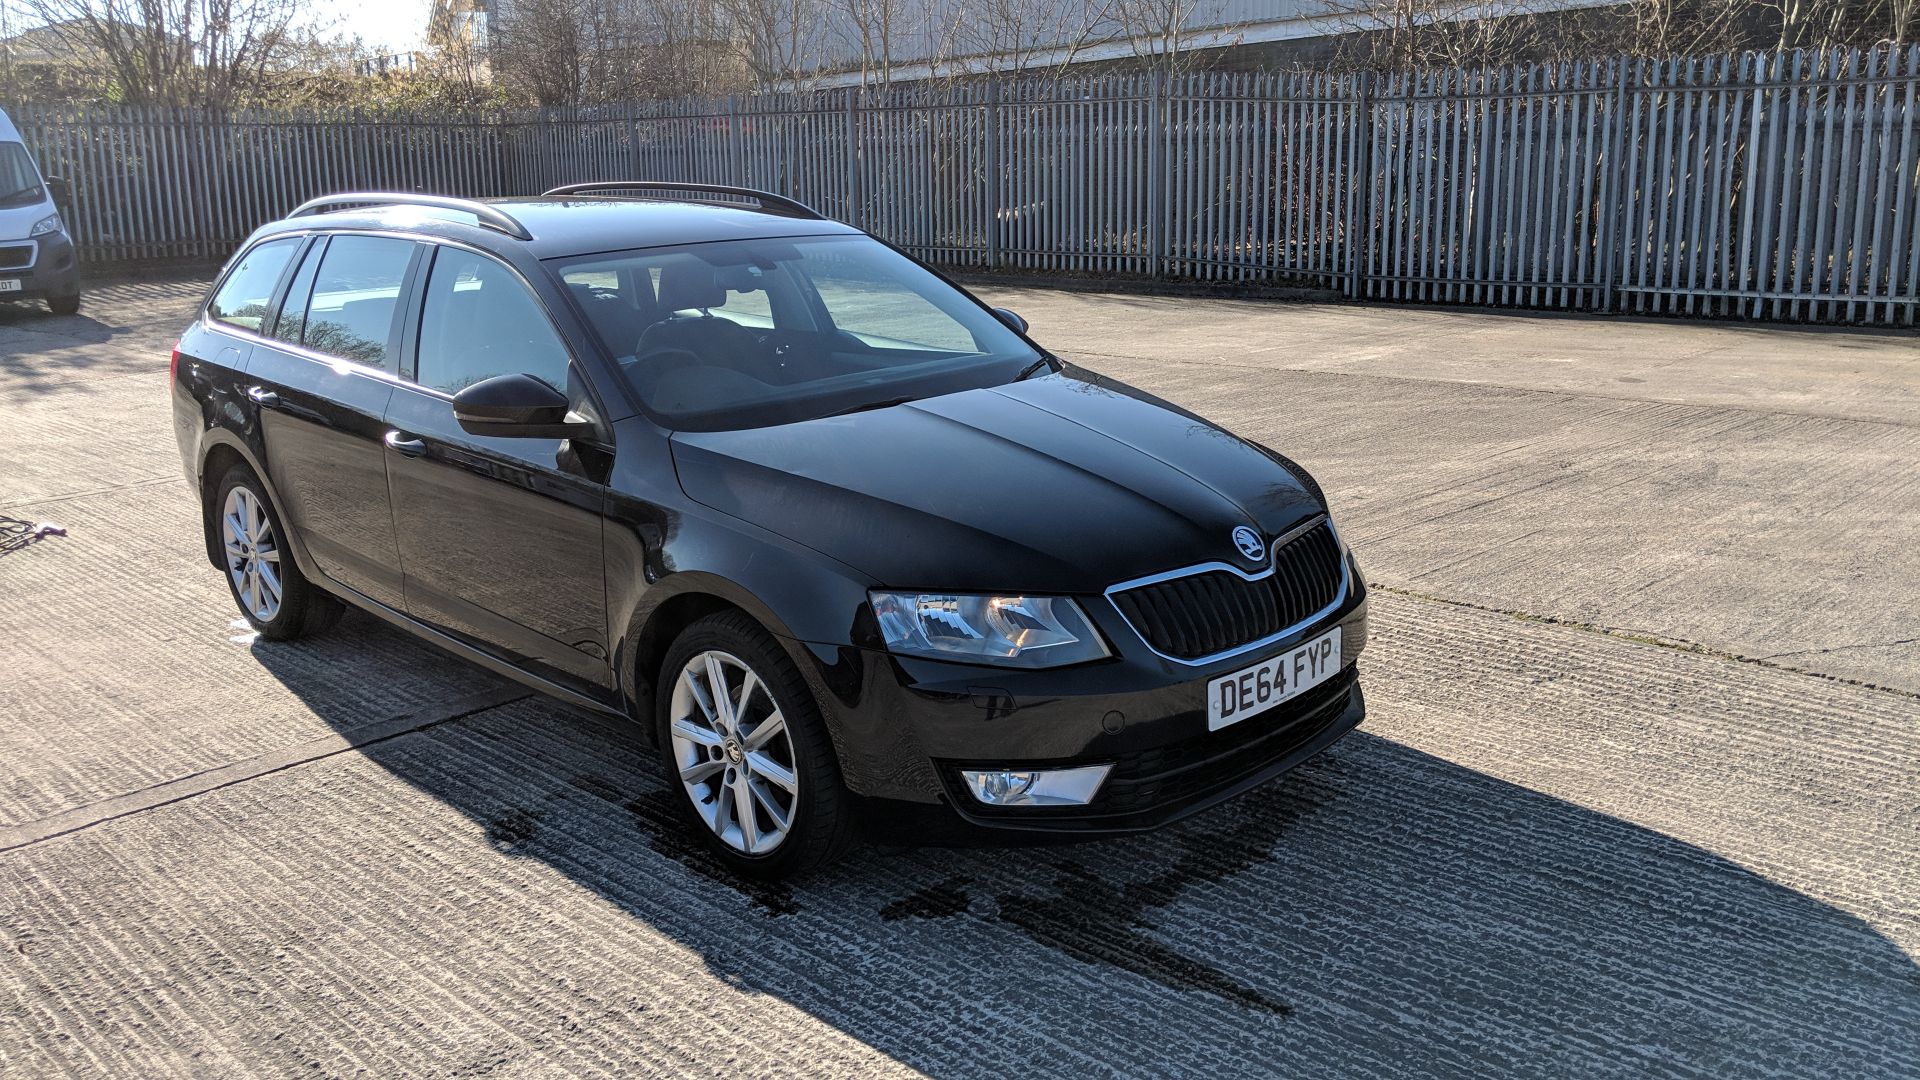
(1233, 698)
(11, 284)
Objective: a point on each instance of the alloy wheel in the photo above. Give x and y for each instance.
(253, 553)
(733, 752)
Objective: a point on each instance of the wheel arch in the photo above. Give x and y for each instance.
(221, 450)
(673, 604)
(218, 459)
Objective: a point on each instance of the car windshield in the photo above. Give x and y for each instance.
(748, 333)
(19, 181)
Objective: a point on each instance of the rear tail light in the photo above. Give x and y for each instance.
(173, 364)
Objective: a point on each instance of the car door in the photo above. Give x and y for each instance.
(500, 538)
(213, 352)
(321, 380)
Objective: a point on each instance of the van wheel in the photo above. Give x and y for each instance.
(64, 305)
(266, 583)
(742, 740)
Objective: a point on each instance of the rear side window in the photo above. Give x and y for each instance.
(243, 298)
(356, 293)
(479, 321)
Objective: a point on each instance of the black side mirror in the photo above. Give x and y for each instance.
(1011, 319)
(61, 191)
(517, 407)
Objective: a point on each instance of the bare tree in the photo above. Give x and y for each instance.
(781, 40)
(1038, 38)
(871, 26)
(1162, 34)
(1413, 34)
(173, 52)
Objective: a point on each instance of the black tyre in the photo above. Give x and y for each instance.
(64, 305)
(755, 767)
(266, 583)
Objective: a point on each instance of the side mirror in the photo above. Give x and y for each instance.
(517, 407)
(61, 191)
(1011, 319)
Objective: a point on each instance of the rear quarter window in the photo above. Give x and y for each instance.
(243, 298)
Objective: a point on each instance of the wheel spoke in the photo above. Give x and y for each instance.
(236, 528)
(773, 725)
(699, 771)
(774, 771)
(253, 591)
(771, 805)
(722, 811)
(717, 686)
(271, 555)
(234, 552)
(700, 697)
(268, 578)
(743, 811)
(694, 733)
(748, 684)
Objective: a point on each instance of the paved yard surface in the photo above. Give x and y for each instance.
(1637, 794)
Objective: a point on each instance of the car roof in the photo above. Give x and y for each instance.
(580, 225)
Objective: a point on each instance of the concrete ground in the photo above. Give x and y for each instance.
(1636, 794)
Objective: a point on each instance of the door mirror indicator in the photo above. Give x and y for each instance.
(518, 406)
(1011, 318)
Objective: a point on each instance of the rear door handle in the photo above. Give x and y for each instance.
(401, 444)
(263, 397)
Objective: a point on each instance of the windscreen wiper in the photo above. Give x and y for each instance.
(1033, 368)
(883, 403)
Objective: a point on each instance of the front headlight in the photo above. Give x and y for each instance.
(1013, 631)
(48, 224)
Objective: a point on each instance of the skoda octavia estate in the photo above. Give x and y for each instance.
(850, 550)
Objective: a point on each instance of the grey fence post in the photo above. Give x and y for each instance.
(1614, 195)
(633, 146)
(736, 172)
(853, 160)
(1359, 238)
(1156, 178)
(993, 176)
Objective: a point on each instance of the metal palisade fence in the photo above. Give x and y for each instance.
(1762, 186)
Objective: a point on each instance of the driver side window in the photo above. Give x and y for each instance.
(478, 320)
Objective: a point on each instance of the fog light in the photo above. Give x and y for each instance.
(1036, 787)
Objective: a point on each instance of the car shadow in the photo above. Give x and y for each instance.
(41, 352)
(1378, 911)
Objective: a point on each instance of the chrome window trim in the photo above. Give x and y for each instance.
(355, 367)
(1273, 548)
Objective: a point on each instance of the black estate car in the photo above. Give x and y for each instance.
(848, 547)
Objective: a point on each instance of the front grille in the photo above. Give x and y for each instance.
(1216, 610)
(1178, 772)
(15, 256)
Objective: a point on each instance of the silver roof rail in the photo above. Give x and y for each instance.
(764, 198)
(490, 217)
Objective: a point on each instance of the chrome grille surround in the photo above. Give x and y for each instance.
(1274, 550)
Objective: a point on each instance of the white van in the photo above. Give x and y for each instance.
(36, 254)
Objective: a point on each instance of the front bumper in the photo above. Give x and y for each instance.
(54, 270)
(906, 727)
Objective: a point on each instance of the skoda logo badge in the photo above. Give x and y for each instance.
(1249, 543)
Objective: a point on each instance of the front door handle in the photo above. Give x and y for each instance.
(404, 445)
(263, 397)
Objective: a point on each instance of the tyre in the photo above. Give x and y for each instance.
(265, 581)
(742, 740)
(64, 305)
